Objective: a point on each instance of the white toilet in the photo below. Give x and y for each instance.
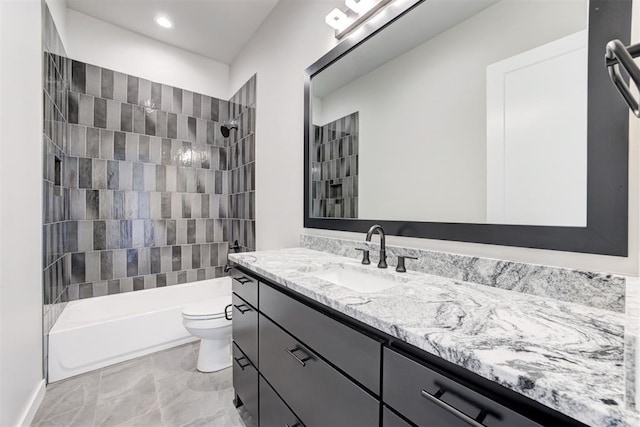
(208, 321)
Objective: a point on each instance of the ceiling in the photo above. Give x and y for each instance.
(217, 29)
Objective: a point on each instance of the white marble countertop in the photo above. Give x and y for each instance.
(566, 356)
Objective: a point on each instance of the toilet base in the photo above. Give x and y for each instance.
(214, 354)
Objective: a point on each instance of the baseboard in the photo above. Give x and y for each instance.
(34, 404)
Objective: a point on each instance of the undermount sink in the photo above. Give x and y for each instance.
(356, 280)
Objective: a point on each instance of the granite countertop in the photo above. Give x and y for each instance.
(566, 356)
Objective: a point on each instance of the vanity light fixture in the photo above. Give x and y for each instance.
(164, 21)
(337, 19)
(357, 12)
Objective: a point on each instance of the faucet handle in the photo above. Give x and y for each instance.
(401, 268)
(365, 256)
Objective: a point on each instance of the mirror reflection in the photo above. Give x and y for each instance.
(471, 111)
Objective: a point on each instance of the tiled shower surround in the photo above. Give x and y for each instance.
(334, 186)
(56, 264)
(148, 173)
(241, 165)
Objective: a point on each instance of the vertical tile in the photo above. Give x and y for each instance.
(85, 290)
(112, 175)
(150, 122)
(156, 95)
(126, 118)
(74, 104)
(131, 204)
(126, 234)
(143, 205)
(166, 205)
(176, 258)
(114, 115)
(125, 175)
(71, 175)
(120, 87)
(93, 204)
(132, 147)
(137, 233)
(92, 266)
(93, 80)
(85, 236)
(182, 277)
(120, 146)
(85, 110)
(143, 261)
(181, 231)
(132, 262)
(106, 144)
(187, 102)
(132, 90)
(155, 261)
(186, 206)
(167, 98)
(138, 120)
(106, 265)
(106, 89)
(138, 177)
(113, 234)
(119, 264)
(161, 280)
(191, 129)
(126, 285)
(197, 105)
(99, 235)
(93, 143)
(113, 287)
(85, 173)
(191, 231)
(71, 242)
(138, 283)
(150, 282)
(195, 256)
(106, 204)
(171, 232)
(144, 94)
(100, 113)
(172, 125)
(143, 148)
(78, 76)
(99, 178)
(177, 101)
(187, 257)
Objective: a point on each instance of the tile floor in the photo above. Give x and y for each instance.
(161, 389)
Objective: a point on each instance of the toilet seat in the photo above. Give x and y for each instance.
(207, 310)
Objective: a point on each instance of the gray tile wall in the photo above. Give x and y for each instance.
(148, 185)
(241, 167)
(334, 169)
(56, 264)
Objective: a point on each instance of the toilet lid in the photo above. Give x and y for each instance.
(211, 308)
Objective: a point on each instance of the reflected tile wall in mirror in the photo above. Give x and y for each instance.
(334, 168)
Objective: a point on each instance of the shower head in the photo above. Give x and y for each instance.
(227, 127)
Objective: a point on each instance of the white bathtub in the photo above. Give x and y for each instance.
(98, 332)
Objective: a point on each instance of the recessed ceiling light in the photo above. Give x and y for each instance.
(164, 22)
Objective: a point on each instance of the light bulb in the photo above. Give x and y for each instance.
(164, 22)
(337, 19)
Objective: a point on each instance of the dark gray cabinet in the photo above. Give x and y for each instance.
(273, 411)
(427, 397)
(298, 363)
(358, 355)
(245, 382)
(245, 286)
(245, 328)
(309, 385)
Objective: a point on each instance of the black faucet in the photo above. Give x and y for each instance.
(383, 250)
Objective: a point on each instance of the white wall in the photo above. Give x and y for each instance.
(58, 9)
(99, 43)
(21, 379)
(292, 38)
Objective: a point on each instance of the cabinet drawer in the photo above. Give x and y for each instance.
(245, 286)
(245, 382)
(315, 391)
(390, 419)
(273, 411)
(355, 353)
(427, 397)
(245, 328)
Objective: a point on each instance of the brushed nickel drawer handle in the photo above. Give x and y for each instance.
(453, 411)
(292, 425)
(242, 280)
(292, 351)
(238, 359)
(241, 310)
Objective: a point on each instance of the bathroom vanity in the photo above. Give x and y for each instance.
(420, 350)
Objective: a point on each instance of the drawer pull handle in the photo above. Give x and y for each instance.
(453, 411)
(241, 309)
(296, 424)
(228, 312)
(242, 280)
(302, 361)
(238, 359)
